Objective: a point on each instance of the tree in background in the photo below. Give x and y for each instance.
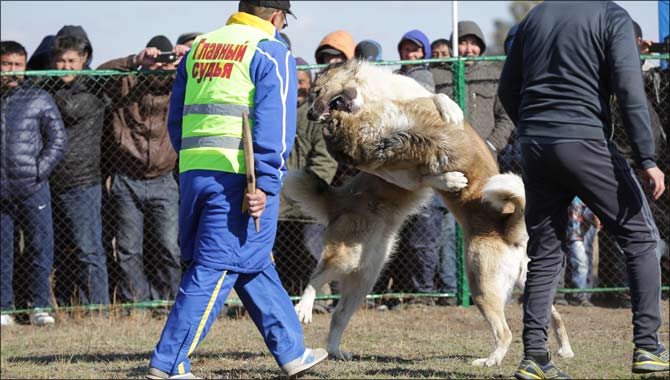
(519, 10)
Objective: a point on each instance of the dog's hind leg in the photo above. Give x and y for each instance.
(492, 306)
(321, 275)
(564, 349)
(353, 289)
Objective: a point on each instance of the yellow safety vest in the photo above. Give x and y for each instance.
(218, 89)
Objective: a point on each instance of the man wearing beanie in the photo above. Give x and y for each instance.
(484, 111)
(337, 46)
(241, 68)
(187, 38)
(137, 154)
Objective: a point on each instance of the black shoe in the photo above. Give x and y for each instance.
(645, 361)
(530, 370)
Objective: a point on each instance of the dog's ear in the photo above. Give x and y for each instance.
(508, 208)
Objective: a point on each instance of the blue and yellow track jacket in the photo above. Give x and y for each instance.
(213, 229)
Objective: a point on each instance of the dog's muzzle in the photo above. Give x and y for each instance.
(322, 113)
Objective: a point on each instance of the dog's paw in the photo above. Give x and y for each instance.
(452, 182)
(449, 110)
(340, 355)
(485, 362)
(304, 312)
(565, 352)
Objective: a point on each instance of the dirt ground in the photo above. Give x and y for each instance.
(412, 342)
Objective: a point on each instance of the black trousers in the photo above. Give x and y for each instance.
(594, 171)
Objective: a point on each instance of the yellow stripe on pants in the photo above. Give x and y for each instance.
(203, 320)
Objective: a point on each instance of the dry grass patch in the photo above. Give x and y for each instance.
(418, 342)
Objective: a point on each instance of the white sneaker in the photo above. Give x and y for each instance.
(6, 320)
(309, 359)
(157, 374)
(41, 318)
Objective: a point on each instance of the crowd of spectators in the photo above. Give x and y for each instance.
(88, 173)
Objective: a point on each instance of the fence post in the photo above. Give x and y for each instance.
(461, 99)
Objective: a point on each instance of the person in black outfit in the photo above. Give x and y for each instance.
(565, 63)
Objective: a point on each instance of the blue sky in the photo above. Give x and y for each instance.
(120, 28)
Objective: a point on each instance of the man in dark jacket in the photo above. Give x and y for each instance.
(32, 142)
(80, 259)
(484, 111)
(566, 61)
(140, 159)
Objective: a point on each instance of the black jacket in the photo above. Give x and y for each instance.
(566, 60)
(83, 114)
(32, 140)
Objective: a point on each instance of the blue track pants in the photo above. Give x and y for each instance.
(202, 293)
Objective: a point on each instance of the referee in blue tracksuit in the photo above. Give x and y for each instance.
(566, 60)
(244, 66)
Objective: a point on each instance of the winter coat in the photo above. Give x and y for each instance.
(140, 146)
(484, 110)
(309, 152)
(83, 114)
(32, 140)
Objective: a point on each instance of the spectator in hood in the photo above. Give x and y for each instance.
(33, 141)
(484, 112)
(412, 46)
(40, 60)
(337, 46)
(187, 39)
(140, 159)
(369, 50)
(423, 237)
(440, 49)
(76, 190)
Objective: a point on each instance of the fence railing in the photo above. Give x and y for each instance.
(114, 199)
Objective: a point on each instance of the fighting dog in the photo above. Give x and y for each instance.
(406, 139)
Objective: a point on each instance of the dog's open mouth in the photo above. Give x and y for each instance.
(339, 103)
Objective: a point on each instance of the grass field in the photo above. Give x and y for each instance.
(417, 342)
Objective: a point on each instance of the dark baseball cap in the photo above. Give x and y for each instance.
(275, 4)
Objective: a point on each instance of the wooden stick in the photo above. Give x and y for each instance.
(248, 146)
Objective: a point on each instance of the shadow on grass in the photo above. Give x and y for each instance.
(138, 371)
(401, 372)
(111, 357)
(401, 360)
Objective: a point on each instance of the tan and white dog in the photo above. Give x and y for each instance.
(406, 141)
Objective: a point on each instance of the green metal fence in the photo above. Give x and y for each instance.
(103, 84)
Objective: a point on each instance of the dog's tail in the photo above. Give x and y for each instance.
(506, 194)
(309, 192)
